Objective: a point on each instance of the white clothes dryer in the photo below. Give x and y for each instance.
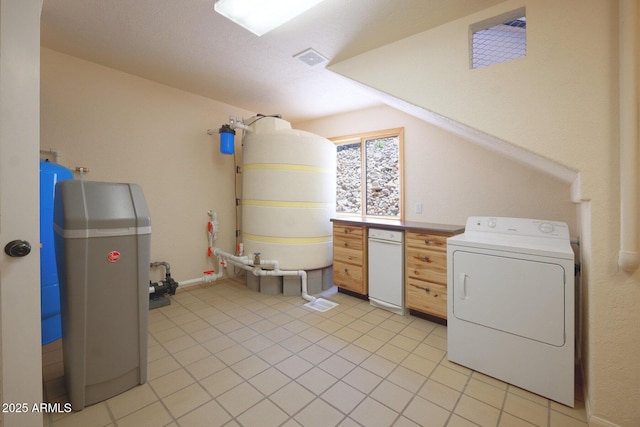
(511, 303)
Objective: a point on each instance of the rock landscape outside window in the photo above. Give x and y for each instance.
(369, 169)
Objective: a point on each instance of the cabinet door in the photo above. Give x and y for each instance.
(346, 253)
(350, 258)
(426, 270)
(427, 297)
(348, 231)
(348, 276)
(426, 240)
(426, 264)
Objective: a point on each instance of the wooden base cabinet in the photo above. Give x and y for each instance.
(426, 272)
(350, 258)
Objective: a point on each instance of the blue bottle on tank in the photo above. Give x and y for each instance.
(50, 174)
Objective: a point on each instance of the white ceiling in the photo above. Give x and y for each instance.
(186, 45)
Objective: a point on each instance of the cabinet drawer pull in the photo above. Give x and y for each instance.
(427, 242)
(346, 231)
(346, 270)
(346, 244)
(427, 290)
(427, 259)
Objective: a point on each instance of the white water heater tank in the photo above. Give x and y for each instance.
(288, 194)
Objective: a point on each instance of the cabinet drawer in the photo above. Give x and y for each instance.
(426, 240)
(427, 297)
(427, 264)
(347, 254)
(347, 230)
(348, 276)
(348, 243)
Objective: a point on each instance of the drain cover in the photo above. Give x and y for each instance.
(321, 304)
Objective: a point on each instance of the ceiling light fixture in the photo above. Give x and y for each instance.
(262, 16)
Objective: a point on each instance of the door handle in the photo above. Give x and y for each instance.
(462, 285)
(17, 248)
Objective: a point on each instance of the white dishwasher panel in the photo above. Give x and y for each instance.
(386, 270)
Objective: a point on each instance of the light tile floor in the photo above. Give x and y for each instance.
(224, 355)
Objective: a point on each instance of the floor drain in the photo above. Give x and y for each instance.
(321, 304)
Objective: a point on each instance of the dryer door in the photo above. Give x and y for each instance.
(524, 297)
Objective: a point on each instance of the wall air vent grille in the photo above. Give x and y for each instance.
(493, 43)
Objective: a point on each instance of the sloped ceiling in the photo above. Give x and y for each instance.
(186, 45)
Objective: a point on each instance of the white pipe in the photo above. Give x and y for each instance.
(205, 278)
(232, 126)
(305, 293)
(301, 273)
(227, 256)
(271, 262)
(245, 263)
(238, 125)
(628, 257)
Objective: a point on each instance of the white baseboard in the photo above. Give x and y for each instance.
(599, 422)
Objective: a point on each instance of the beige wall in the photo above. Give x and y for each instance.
(127, 129)
(559, 102)
(453, 178)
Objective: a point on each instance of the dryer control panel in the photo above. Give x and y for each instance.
(518, 227)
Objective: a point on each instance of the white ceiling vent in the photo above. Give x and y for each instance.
(311, 57)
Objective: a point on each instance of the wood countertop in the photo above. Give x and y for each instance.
(392, 224)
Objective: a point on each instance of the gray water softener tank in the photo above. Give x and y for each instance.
(102, 239)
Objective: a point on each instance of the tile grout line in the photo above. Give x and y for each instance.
(399, 363)
(294, 332)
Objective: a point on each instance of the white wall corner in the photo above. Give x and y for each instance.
(576, 190)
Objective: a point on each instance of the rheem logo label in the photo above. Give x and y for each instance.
(113, 256)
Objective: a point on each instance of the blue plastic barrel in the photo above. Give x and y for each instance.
(50, 174)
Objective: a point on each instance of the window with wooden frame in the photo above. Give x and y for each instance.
(369, 174)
